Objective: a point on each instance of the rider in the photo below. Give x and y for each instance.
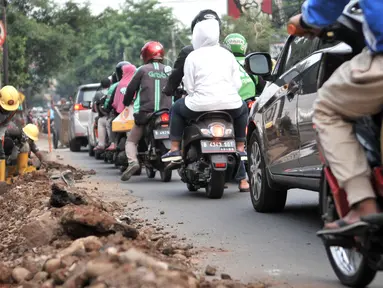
(146, 83)
(175, 78)
(23, 140)
(101, 120)
(212, 80)
(110, 104)
(353, 90)
(9, 102)
(251, 85)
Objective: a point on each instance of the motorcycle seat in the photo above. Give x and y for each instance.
(210, 115)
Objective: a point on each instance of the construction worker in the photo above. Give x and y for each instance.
(9, 103)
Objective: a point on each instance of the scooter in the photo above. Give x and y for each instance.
(355, 256)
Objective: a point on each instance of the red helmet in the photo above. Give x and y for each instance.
(152, 51)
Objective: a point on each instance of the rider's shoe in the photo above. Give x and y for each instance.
(132, 168)
(112, 147)
(172, 156)
(98, 148)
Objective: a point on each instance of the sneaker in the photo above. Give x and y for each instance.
(172, 156)
(243, 155)
(112, 147)
(132, 168)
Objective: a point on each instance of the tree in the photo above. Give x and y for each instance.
(259, 34)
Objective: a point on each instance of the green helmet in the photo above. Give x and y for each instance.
(236, 43)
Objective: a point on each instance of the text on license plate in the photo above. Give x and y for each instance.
(224, 146)
(161, 134)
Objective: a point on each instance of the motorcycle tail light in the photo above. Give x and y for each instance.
(165, 117)
(79, 107)
(220, 165)
(217, 130)
(250, 104)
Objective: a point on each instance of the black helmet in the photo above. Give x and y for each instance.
(119, 69)
(105, 83)
(205, 15)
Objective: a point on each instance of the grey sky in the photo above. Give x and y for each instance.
(184, 10)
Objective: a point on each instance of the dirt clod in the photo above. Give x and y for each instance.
(210, 270)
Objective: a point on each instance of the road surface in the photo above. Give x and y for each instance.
(281, 247)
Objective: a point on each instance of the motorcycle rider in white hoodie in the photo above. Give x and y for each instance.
(212, 81)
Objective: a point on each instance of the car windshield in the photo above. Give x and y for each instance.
(86, 95)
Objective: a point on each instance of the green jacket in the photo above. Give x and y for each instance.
(249, 83)
(110, 94)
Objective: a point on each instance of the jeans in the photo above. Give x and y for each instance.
(180, 114)
(241, 175)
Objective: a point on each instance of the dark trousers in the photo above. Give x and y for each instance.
(180, 114)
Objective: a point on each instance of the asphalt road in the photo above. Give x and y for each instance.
(279, 247)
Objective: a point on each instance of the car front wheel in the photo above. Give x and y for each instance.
(263, 197)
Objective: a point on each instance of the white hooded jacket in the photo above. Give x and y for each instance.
(211, 73)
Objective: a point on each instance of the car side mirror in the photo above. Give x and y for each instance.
(87, 104)
(168, 70)
(259, 64)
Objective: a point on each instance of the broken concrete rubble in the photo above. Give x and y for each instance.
(85, 242)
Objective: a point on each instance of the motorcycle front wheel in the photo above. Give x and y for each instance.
(350, 266)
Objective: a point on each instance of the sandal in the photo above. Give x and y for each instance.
(345, 229)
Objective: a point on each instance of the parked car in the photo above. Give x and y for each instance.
(78, 134)
(281, 139)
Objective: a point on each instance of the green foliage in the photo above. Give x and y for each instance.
(259, 34)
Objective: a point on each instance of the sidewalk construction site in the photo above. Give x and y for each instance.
(55, 233)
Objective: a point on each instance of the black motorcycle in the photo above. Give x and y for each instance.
(152, 146)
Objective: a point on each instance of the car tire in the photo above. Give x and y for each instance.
(263, 197)
(75, 145)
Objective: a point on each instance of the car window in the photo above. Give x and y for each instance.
(86, 95)
(298, 49)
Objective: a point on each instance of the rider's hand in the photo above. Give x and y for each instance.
(297, 27)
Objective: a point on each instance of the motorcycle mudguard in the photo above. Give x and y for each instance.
(219, 162)
(167, 143)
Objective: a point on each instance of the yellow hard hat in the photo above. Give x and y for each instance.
(9, 98)
(32, 131)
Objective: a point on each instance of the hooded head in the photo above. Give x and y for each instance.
(205, 34)
(127, 75)
(205, 15)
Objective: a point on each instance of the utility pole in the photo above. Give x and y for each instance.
(174, 45)
(5, 45)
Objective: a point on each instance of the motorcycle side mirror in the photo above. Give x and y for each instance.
(168, 70)
(259, 63)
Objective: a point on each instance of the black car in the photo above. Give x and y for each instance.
(282, 150)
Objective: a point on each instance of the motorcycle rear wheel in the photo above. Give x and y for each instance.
(350, 266)
(150, 172)
(216, 186)
(166, 176)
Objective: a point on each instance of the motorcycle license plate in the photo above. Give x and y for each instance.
(161, 133)
(222, 146)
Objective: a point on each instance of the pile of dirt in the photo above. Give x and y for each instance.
(55, 234)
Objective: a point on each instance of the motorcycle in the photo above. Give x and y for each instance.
(208, 149)
(355, 257)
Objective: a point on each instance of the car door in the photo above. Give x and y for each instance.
(308, 155)
(281, 136)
